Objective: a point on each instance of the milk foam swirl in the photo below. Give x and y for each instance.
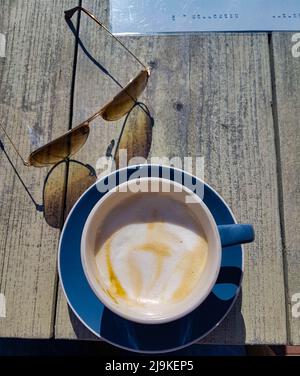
(151, 251)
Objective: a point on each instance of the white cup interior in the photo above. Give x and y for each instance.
(101, 213)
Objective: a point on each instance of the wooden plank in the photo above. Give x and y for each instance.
(231, 125)
(91, 92)
(211, 96)
(287, 84)
(34, 108)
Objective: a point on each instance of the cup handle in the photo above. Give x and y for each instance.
(236, 234)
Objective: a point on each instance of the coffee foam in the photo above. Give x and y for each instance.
(150, 252)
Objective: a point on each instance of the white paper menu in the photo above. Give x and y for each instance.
(173, 16)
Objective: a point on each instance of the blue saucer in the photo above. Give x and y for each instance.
(140, 337)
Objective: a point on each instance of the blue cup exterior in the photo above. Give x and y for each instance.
(236, 234)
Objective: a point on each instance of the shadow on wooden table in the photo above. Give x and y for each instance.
(231, 330)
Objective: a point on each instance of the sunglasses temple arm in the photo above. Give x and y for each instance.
(69, 13)
(37, 206)
(25, 163)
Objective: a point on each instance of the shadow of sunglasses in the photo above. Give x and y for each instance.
(135, 137)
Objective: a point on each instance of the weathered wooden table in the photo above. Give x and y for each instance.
(232, 98)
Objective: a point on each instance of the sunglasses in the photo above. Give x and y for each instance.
(69, 143)
(135, 136)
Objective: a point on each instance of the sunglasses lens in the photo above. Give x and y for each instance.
(59, 198)
(60, 148)
(136, 138)
(125, 99)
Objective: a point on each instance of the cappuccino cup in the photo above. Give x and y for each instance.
(152, 255)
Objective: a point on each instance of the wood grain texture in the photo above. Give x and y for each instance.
(211, 96)
(35, 80)
(287, 84)
(231, 124)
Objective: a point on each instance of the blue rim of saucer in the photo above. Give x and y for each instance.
(145, 338)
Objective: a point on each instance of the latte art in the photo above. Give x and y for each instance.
(150, 252)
